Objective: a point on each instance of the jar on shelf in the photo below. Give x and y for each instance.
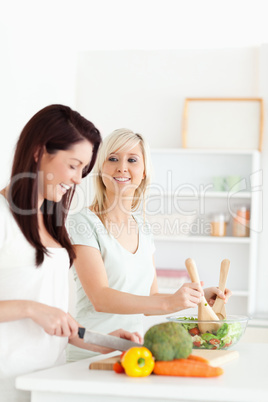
(218, 225)
(241, 222)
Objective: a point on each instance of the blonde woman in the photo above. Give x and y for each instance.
(114, 268)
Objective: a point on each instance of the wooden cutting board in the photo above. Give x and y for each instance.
(215, 357)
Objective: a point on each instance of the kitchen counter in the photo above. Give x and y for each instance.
(244, 380)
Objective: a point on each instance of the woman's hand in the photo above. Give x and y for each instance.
(212, 292)
(121, 333)
(189, 295)
(130, 336)
(53, 320)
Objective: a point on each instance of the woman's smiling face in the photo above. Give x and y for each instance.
(62, 170)
(123, 171)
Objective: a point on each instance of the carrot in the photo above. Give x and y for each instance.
(198, 359)
(186, 368)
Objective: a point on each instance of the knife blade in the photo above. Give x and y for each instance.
(108, 341)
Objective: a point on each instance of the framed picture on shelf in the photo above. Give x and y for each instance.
(225, 123)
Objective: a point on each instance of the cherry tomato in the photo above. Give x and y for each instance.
(117, 367)
(214, 341)
(197, 344)
(194, 331)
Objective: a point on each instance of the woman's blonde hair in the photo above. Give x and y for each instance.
(120, 140)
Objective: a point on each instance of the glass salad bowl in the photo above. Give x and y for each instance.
(228, 333)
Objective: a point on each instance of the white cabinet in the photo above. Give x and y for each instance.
(182, 198)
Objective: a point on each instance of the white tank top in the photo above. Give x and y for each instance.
(24, 345)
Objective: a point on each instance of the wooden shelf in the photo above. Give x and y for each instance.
(240, 293)
(188, 178)
(204, 239)
(235, 293)
(196, 151)
(207, 194)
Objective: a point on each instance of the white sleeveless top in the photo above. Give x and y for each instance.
(126, 272)
(24, 345)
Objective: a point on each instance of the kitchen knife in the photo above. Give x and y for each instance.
(107, 341)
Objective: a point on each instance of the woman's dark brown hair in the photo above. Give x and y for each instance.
(54, 128)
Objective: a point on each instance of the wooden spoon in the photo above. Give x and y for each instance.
(205, 312)
(219, 306)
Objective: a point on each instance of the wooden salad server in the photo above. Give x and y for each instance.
(219, 305)
(205, 312)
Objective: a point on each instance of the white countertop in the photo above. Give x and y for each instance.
(244, 380)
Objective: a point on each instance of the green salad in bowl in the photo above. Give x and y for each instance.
(228, 334)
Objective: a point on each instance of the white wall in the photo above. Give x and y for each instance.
(145, 90)
(30, 78)
(40, 43)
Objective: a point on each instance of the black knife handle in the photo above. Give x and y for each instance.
(81, 332)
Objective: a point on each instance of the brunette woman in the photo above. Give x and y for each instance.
(55, 150)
